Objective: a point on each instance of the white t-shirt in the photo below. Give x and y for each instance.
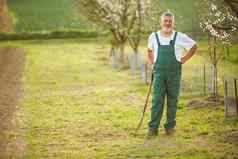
(182, 42)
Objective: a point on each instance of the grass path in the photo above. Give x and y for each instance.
(75, 106)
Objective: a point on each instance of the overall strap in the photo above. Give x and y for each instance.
(157, 39)
(174, 39)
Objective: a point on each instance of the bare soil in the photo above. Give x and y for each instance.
(12, 64)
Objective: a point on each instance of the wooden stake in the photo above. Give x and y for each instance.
(225, 97)
(236, 96)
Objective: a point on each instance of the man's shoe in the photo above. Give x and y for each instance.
(152, 133)
(169, 131)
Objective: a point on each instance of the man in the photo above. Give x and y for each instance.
(165, 49)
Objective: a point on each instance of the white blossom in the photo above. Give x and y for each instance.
(218, 17)
(213, 7)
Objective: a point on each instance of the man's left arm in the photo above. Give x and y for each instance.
(190, 46)
(189, 54)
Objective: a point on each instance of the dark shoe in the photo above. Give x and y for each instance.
(152, 133)
(169, 131)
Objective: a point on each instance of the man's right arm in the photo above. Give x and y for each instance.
(150, 49)
(150, 56)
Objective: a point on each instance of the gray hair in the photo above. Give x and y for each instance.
(167, 13)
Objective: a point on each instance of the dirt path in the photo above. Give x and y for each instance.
(12, 63)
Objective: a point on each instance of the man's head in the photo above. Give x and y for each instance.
(167, 21)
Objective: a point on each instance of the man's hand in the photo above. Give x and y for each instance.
(190, 53)
(183, 59)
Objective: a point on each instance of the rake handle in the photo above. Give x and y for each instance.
(146, 103)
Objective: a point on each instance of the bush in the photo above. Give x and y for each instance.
(57, 34)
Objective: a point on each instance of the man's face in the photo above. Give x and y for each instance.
(167, 23)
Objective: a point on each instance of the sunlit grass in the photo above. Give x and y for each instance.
(76, 106)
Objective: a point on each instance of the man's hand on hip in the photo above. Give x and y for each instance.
(190, 53)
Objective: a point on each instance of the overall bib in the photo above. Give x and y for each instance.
(167, 77)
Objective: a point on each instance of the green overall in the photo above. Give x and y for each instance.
(167, 76)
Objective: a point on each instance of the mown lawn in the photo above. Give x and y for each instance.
(76, 106)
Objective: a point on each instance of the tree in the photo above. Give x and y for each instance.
(6, 24)
(233, 5)
(220, 22)
(118, 16)
(218, 19)
(134, 38)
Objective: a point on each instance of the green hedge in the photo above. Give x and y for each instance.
(58, 34)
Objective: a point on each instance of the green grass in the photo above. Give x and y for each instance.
(233, 54)
(76, 106)
(44, 15)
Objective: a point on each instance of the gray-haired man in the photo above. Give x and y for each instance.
(165, 49)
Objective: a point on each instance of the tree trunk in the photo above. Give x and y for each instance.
(121, 53)
(113, 57)
(213, 52)
(214, 81)
(136, 60)
(117, 56)
(6, 23)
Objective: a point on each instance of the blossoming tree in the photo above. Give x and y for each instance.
(123, 18)
(134, 37)
(220, 21)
